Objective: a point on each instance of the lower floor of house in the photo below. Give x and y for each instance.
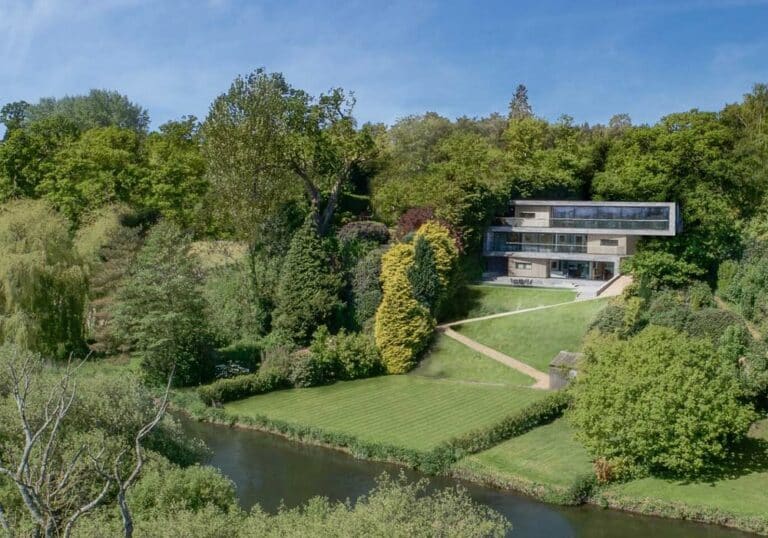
(551, 268)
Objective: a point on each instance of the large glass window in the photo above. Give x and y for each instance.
(611, 217)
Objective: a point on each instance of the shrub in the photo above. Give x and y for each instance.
(366, 288)
(161, 311)
(660, 402)
(699, 295)
(353, 355)
(726, 273)
(444, 249)
(403, 327)
(749, 286)
(364, 230)
(711, 323)
(231, 360)
(308, 292)
(237, 388)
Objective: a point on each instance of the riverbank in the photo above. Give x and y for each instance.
(529, 452)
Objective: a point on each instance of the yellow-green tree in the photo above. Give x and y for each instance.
(403, 326)
(444, 247)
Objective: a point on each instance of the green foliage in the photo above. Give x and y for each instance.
(364, 230)
(308, 291)
(352, 355)
(175, 184)
(403, 327)
(423, 275)
(748, 288)
(726, 272)
(26, 153)
(659, 402)
(366, 288)
(394, 508)
(267, 143)
(100, 108)
(103, 166)
(656, 269)
(236, 388)
(42, 281)
(166, 488)
(161, 311)
(235, 310)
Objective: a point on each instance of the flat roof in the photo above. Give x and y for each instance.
(591, 203)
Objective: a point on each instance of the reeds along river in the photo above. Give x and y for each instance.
(269, 470)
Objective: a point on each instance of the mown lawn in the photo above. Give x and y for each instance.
(536, 337)
(408, 411)
(745, 493)
(448, 359)
(487, 299)
(547, 455)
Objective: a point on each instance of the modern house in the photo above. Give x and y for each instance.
(566, 239)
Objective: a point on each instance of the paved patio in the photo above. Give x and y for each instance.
(585, 289)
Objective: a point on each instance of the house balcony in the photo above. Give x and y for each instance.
(588, 224)
(503, 246)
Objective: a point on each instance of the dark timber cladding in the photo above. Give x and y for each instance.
(542, 239)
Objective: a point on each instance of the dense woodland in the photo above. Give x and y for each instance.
(279, 243)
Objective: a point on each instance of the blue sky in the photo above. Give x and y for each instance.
(586, 59)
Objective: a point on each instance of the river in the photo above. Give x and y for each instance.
(268, 470)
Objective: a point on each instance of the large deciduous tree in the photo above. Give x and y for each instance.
(660, 402)
(267, 143)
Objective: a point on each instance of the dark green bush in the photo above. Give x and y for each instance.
(711, 323)
(609, 320)
(237, 388)
(364, 230)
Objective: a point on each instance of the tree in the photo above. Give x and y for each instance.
(104, 166)
(660, 402)
(176, 182)
(160, 310)
(267, 143)
(403, 326)
(308, 292)
(42, 281)
(13, 115)
(366, 287)
(423, 274)
(519, 108)
(68, 448)
(100, 108)
(26, 153)
(658, 269)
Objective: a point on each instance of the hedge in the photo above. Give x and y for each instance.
(237, 388)
(435, 461)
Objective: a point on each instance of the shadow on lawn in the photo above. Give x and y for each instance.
(465, 301)
(749, 457)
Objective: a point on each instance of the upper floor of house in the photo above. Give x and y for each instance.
(579, 217)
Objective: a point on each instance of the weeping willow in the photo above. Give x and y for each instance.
(42, 281)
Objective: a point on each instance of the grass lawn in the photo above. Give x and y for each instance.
(486, 299)
(536, 337)
(744, 494)
(546, 455)
(406, 410)
(448, 359)
(546, 462)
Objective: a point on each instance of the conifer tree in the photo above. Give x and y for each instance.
(308, 292)
(423, 274)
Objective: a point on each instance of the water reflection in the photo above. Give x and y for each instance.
(269, 470)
